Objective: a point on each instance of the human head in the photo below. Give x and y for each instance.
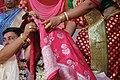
(10, 34)
(10, 3)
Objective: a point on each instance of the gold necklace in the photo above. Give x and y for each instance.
(7, 11)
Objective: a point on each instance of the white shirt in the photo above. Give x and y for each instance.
(9, 70)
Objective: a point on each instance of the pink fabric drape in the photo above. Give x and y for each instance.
(61, 56)
(47, 10)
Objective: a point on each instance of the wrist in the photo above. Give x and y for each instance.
(64, 17)
(23, 37)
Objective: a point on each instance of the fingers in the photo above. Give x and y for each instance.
(46, 21)
(32, 13)
(52, 23)
(48, 25)
(30, 27)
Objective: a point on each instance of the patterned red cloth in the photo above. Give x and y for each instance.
(83, 44)
(61, 56)
(113, 33)
(113, 38)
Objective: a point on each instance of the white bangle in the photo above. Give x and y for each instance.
(66, 16)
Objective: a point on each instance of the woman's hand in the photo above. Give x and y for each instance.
(52, 23)
(33, 14)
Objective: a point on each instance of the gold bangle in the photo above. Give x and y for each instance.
(66, 16)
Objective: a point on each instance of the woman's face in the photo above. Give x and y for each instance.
(10, 3)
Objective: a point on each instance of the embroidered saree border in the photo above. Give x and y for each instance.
(113, 13)
(18, 19)
(97, 38)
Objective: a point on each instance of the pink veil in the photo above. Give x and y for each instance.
(47, 8)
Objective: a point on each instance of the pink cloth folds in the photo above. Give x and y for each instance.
(46, 11)
(61, 56)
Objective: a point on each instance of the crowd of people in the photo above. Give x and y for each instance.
(60, 40)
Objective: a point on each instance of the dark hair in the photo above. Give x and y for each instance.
(16, 30)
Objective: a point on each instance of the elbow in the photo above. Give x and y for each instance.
(2, 60)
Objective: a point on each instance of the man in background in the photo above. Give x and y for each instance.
(13, 40)
(10, 16)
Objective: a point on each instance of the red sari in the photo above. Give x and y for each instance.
(113, 44)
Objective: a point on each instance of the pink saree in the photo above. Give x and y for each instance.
(61, 56)
(45, 9)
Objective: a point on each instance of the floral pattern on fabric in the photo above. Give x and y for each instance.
(62, 57)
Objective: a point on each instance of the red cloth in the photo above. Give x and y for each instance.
(1, 4)
(113, 38)
(113, 33)
(34, 53)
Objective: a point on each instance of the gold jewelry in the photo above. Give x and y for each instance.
(66, 16)
(28, 40)
(48, 25)
(30, 27)
(61, 18)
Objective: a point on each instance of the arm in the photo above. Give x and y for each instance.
(27, 53)
(81, 9)
(11, 49)
(70, 27)
(78, 11)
